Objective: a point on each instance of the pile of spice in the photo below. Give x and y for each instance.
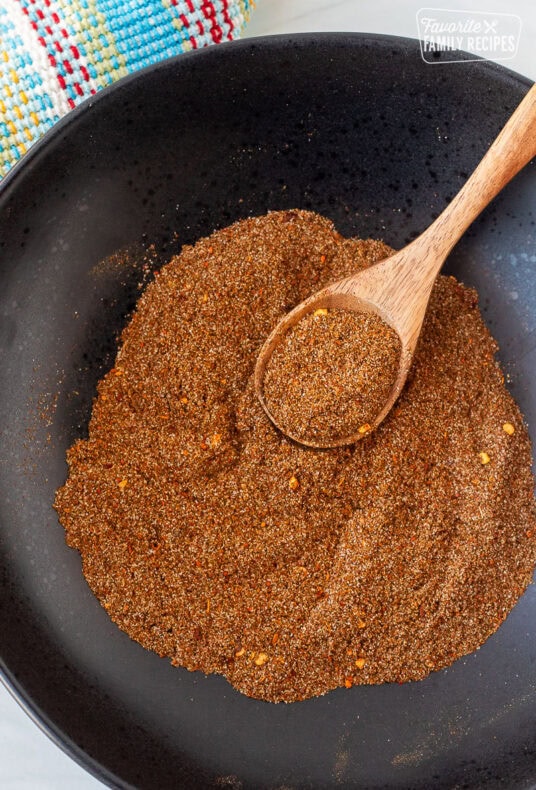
(212, 539)
(331, 375)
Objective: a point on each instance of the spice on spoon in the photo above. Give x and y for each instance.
(331, 374)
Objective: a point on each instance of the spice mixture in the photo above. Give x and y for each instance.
(331, 375)
(212, 539)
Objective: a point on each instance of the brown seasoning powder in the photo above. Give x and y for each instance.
(212, 539)
(331, 375)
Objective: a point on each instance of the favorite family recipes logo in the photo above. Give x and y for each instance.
(444, 34)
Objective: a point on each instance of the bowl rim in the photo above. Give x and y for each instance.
(277, 40)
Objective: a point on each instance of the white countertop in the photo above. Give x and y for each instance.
(28, 760)
(392, 17)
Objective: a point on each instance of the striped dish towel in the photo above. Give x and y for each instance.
(54, 53)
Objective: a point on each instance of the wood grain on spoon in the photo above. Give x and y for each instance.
(398, 288)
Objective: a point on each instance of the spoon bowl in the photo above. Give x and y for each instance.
(343, 295)
(398, 288)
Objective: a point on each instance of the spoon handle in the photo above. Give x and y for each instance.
(514, 147)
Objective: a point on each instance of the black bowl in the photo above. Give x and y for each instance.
(359, 128)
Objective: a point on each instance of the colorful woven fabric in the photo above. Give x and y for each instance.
(54, 53)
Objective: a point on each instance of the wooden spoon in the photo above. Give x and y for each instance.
(398, 288)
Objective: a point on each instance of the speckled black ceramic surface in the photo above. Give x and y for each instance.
(360, 129)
